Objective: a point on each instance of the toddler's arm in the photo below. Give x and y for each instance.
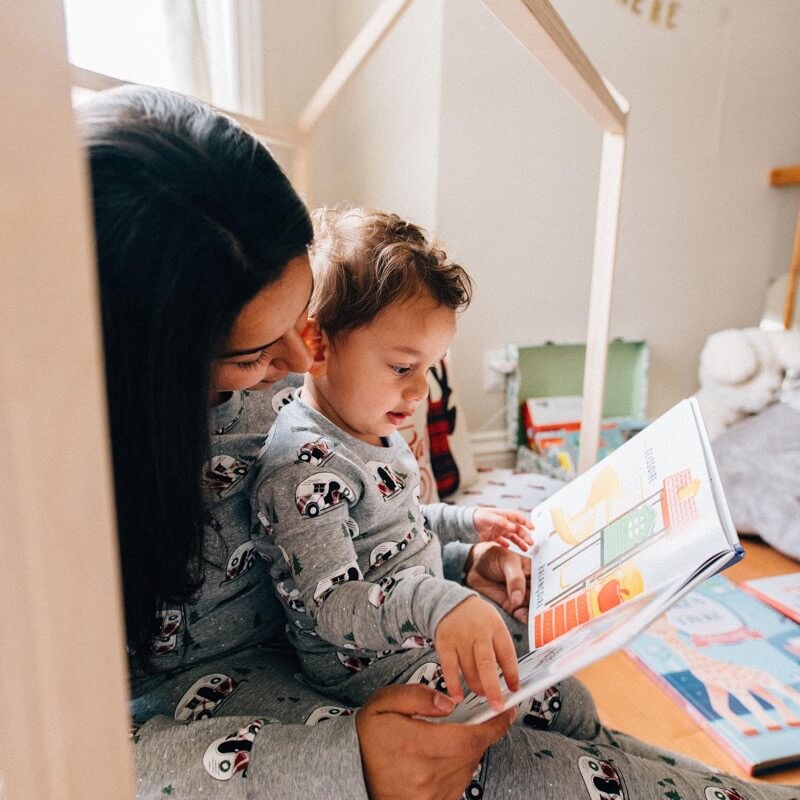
(317, 573)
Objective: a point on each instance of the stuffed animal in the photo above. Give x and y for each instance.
(741, 372)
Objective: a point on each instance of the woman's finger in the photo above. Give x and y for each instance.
(515, 580)
(412, 700)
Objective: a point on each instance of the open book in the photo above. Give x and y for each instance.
(616, 547)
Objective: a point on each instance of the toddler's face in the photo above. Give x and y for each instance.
(377, 375)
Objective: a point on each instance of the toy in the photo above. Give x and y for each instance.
(741, 372)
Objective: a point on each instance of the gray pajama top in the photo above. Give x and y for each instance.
(352, 555)
(205, 716)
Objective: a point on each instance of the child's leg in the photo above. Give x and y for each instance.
(549, 766)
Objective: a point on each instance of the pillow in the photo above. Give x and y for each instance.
(415, 432)
(450, 451)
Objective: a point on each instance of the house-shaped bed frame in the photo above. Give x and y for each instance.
(64, 723)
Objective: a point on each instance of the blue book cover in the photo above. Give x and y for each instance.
(734, 662)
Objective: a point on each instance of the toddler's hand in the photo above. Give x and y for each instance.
(473, 639)
(503, 526)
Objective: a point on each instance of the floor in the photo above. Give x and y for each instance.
(629, 700)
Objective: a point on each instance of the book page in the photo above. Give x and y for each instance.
(573, 651)
(626, 527)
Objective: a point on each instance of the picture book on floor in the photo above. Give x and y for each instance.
(734, 663)
(782, 592)
(616, 547)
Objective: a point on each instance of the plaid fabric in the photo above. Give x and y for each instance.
(441, 424)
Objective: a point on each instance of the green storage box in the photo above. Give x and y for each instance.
(550, 370)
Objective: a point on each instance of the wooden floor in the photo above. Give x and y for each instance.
(629, 700)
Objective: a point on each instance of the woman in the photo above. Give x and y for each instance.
(204, 282)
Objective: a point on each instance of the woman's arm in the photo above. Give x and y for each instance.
(247, 757)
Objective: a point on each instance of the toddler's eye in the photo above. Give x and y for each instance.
(400, 370)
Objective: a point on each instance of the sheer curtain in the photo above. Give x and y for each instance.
(206, 48)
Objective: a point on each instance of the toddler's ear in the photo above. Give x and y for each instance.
(317, 343)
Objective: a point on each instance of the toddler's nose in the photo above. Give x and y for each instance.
(417, 388)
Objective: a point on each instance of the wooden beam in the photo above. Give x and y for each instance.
(65, 721)
(280, 135)
(791, 287)
(605, 246)
(783, 176)
(301, 170)
(537, 26)
(369, 37)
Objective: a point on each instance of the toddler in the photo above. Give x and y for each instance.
(356, 561)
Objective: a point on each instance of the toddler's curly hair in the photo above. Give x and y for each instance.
(364, 260)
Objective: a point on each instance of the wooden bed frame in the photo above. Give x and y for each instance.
(63, 731)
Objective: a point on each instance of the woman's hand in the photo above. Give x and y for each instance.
(406, 757)
(504, 526)
(473, 639)
(502, 576)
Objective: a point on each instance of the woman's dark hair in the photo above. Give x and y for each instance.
(193, 217)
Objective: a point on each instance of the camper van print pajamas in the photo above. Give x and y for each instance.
(351, 554)
(221, 714)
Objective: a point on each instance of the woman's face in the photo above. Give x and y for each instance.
(266, 340)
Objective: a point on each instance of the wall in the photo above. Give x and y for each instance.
(379, 143)
(700, 231)
(504, 164)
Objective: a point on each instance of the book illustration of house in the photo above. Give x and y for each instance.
(597, 570)
(599, 596)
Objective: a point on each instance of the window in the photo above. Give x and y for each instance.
(206, 48)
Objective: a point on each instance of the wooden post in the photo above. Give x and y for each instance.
(537, 26)
(301, 169)
(791, 287)
(368, 38)
(269, 132)
(64, 725)
(605, 246)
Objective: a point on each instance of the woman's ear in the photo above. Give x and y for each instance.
(317, 343)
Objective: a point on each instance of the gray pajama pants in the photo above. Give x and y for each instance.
(573, 758)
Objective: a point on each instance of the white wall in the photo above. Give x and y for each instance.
(701, 232)
(379, 144)
(454, 125)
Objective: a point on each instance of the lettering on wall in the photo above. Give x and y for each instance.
(663, 13)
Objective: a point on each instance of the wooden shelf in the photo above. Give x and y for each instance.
(784, 176)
